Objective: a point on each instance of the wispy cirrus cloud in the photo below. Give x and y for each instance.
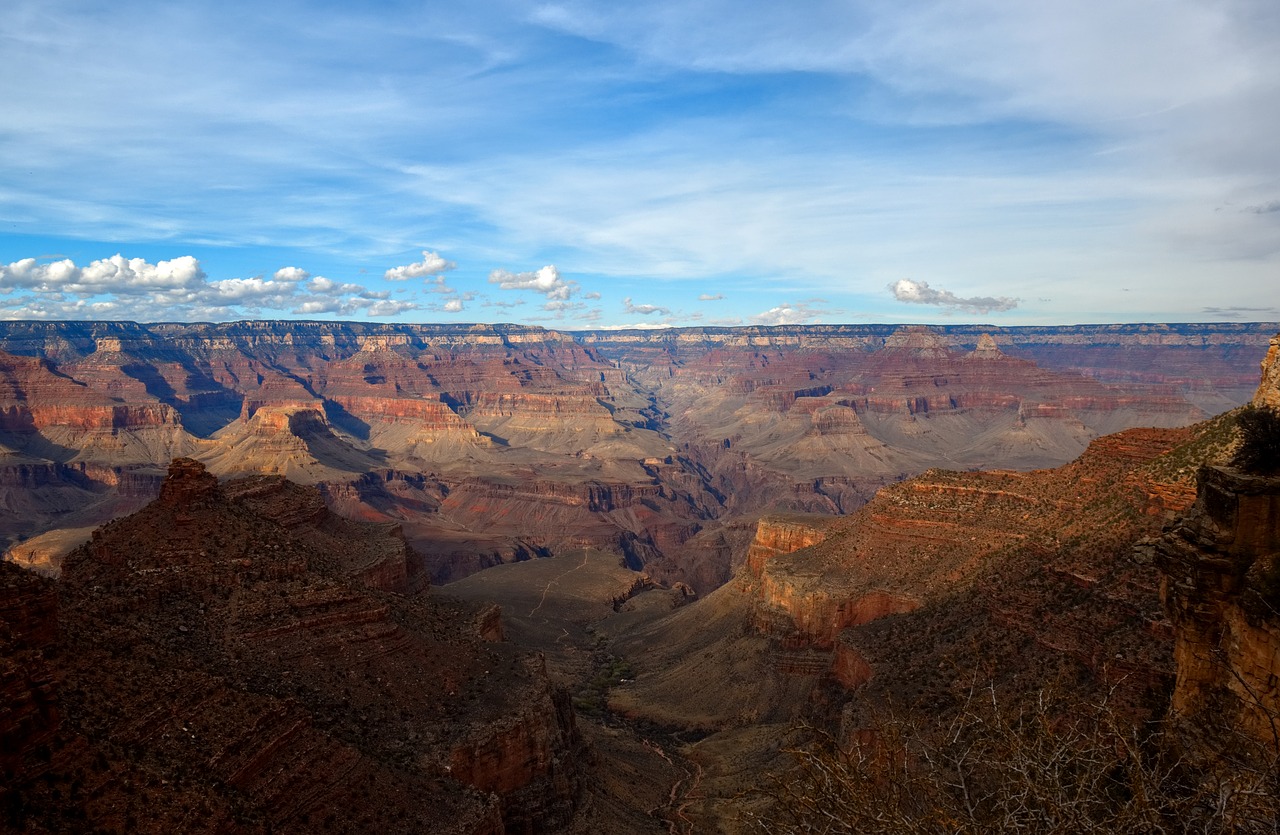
(1066, 146)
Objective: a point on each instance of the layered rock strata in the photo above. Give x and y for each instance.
(694, 425)
(230, 659)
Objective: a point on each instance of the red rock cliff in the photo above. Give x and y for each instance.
(1222, 592)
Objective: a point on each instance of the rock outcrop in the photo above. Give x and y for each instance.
(1222, 592)
(29, 709)
(990, 558)
(1268, 393)
(230, 658)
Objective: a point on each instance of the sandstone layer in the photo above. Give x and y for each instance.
(492, 443)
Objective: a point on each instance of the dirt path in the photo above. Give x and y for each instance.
(555, 580)
(678, 801)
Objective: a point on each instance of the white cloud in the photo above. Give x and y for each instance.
(919, 292)
(546, 281)
(637, 326)
(132, 288)
(562, 307)
(709, 297)
(292, 274)
(389, 307)
(317, 306)
(643, 309)
(320, 284)
(431, 265)
(116, 275)
(453, 306)
(788, 314)
(240, 289)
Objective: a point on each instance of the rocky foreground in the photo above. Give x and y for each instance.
(235, 658)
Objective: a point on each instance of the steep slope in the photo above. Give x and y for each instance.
(1028, 580)
(1221, 589)
(230, 658)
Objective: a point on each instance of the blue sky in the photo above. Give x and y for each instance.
(585, 164)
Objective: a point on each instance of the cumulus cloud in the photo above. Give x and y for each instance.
(389, 307)
(133, 288)
(116, 275)
(919, 292)
(431, 265)
(546, 281)
(558, 291)
(710, 297)
(643, 309)
(788, 314)
(560, 306)
(242, 289)
(292, 274)
(453, 306)
(320, 284)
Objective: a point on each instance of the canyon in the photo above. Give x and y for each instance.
(490, 444)
(526, 581)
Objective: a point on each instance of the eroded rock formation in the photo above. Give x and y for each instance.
(1222, 592)
(459, 432)
(231, 658)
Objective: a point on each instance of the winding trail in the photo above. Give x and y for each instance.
(677, 801)
(555, 580)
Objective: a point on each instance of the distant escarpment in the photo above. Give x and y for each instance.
(494, 443)
(235, 658)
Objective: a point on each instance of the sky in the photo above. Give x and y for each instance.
(585, 165)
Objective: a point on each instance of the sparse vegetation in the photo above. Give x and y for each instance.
(593, 697)
(1043, 768)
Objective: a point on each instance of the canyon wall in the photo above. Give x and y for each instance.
(1222, 592)
(494, 443)
(1037, 563)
